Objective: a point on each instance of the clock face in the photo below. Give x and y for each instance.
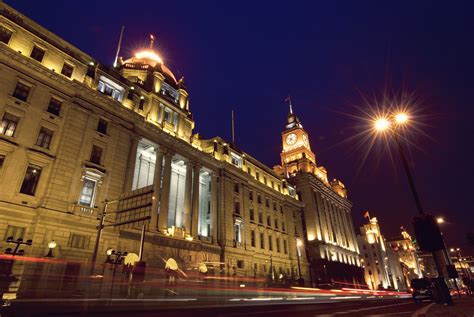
(291, 139)
(305, 140)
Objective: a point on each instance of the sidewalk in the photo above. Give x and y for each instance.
(463, 307)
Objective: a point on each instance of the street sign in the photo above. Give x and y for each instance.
(134, 208)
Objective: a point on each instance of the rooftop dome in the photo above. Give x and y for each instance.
(151, 58)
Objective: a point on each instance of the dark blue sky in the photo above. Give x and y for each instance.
(248, 55)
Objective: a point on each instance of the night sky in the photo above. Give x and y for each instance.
(248, 56)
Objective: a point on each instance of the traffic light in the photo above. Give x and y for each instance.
(427, 233)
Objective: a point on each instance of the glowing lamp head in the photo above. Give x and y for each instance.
(110, 252)
(440, 220)
(381, 124)
(149, 54)
(401, 118)
(299, 243)
(52, 244)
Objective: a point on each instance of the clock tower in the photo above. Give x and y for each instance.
(296, 153)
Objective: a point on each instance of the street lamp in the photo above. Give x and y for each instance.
(440, 220)
(51, 245)
(390, 125)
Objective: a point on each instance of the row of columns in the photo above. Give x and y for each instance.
(335, 222)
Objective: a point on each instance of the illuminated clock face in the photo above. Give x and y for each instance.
(305, 140)
(291, 139)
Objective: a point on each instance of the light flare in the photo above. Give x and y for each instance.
(149, 54)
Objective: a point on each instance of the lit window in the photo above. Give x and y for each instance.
(21, 91)
(54, 106)
(37, 53)
(5, 35)
(238, 231)
(67, 70)
(236, 159)
(96, 154)
(102, 126)
(88, 192)
(44, 138)
(168, 115)
(30, 182)
(9, 124)
(141, 103)
(107, 88)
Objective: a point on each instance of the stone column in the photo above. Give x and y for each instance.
(156, 189)
(322, 215)
(214, 193)
(195, 201)
(165, 193)
(132, 158)
(187, 197)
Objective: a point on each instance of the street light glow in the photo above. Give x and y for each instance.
(381, 124)
(401, 118)
(440, 220)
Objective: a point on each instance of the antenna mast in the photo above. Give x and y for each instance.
(119, 46)
(233, 128)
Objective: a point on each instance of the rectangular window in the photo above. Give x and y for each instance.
(267, 202)
(88, 192)
(238, 232)
(21, 91)
(44, 138)
(252, 238)
(2, 159)
(9, 124)
(251, 213)
(141, 103)
(269, 221)
(96, 154)
(251, 195)
(78, 241)
(235, 159)
(257, 176)
(168, 115)
(30, 182)
(5, 35)
(237, 207)
(274, 206)
(109, 90)
(67, 70)
(102, 126)
(270, 243)
(37, 53)
(259, 198)
(283, 227)
(260, 217)
(240, 264)
(262, 240)
(276, 223)
(285, 246)
(15, 232)
(236, 188)
(54, 106)
(278, 245)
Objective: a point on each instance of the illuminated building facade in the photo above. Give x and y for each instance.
(331, 240)
(383, 268)
(75, 133)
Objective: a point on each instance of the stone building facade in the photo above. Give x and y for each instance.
(329, 230)
(75, 133)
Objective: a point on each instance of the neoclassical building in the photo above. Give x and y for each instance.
(329, 230)
(75, 133)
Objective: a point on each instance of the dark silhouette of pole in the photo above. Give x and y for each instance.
(416, 197)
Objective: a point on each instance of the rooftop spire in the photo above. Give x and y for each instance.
(152, 41)
(288, 99)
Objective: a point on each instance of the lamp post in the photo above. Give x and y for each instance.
(114, 258)
(390, 125)
(440, 220)
(51, 245)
